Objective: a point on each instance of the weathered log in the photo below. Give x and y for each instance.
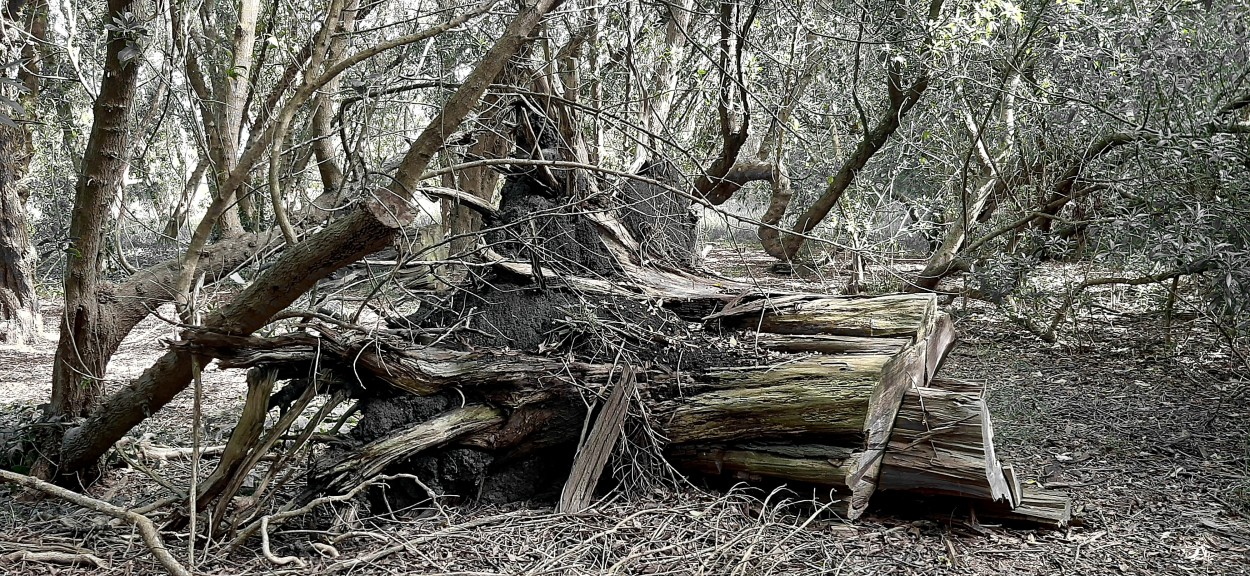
(352, 469)
(1038, 508)
(821, 420)
(894, 315)
(943, 443)
(826, 344)
(815, 464)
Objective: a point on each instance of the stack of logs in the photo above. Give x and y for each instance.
(856, 406)
(922, 434)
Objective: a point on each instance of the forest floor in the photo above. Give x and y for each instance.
(1149, 437)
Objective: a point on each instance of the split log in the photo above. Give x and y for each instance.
(867, 414)
(1037, 508)
(943, 443)
(882, 316)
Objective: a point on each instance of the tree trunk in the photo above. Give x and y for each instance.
(178, 217)
(20, 322)
(786, 246)
(460, 222)
(902, 98)
(80, 357)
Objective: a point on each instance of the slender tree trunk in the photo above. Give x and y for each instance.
(80, 359)
(901, 100)
(786, 246)
(178, 218)
(459, 223)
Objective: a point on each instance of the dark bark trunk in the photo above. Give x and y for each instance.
(786, 246)
(81, 356)
(1064, 190)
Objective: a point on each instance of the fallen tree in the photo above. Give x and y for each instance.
(585, 339)
(830, 421)
(491, 391)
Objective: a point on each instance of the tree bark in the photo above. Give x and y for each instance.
(787, 246)
(81, 356)
(20, 321)
(19, 305)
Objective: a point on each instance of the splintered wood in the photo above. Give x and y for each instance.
(854, 410)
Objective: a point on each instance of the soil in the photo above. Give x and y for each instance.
(1148, 431)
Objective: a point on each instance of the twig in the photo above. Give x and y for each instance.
(69, 558)
(379, 554)
(283, 515)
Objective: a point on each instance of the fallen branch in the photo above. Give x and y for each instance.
(51, 557)
(150, 536)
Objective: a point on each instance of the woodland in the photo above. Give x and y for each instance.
(661, 287)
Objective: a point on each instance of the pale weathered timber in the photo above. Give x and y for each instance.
(941, 339)
(1038, 508)
(348, 471)
(827, 395)
(905, 315)
(1013, 483)
(826, 344)
(817, 464)
(597, 447)
(510, 378)
(943, 443)
(245, 437)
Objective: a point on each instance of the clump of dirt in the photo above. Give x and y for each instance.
(542, 222)
(660, 218)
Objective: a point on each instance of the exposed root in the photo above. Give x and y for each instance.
(269, 555)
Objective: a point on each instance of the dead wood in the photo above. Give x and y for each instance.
(821, 419)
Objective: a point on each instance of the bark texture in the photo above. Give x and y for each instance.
(20, 321)
(19, 305)
(81, 355)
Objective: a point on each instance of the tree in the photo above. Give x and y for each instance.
(20, 321)
(86, 344)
